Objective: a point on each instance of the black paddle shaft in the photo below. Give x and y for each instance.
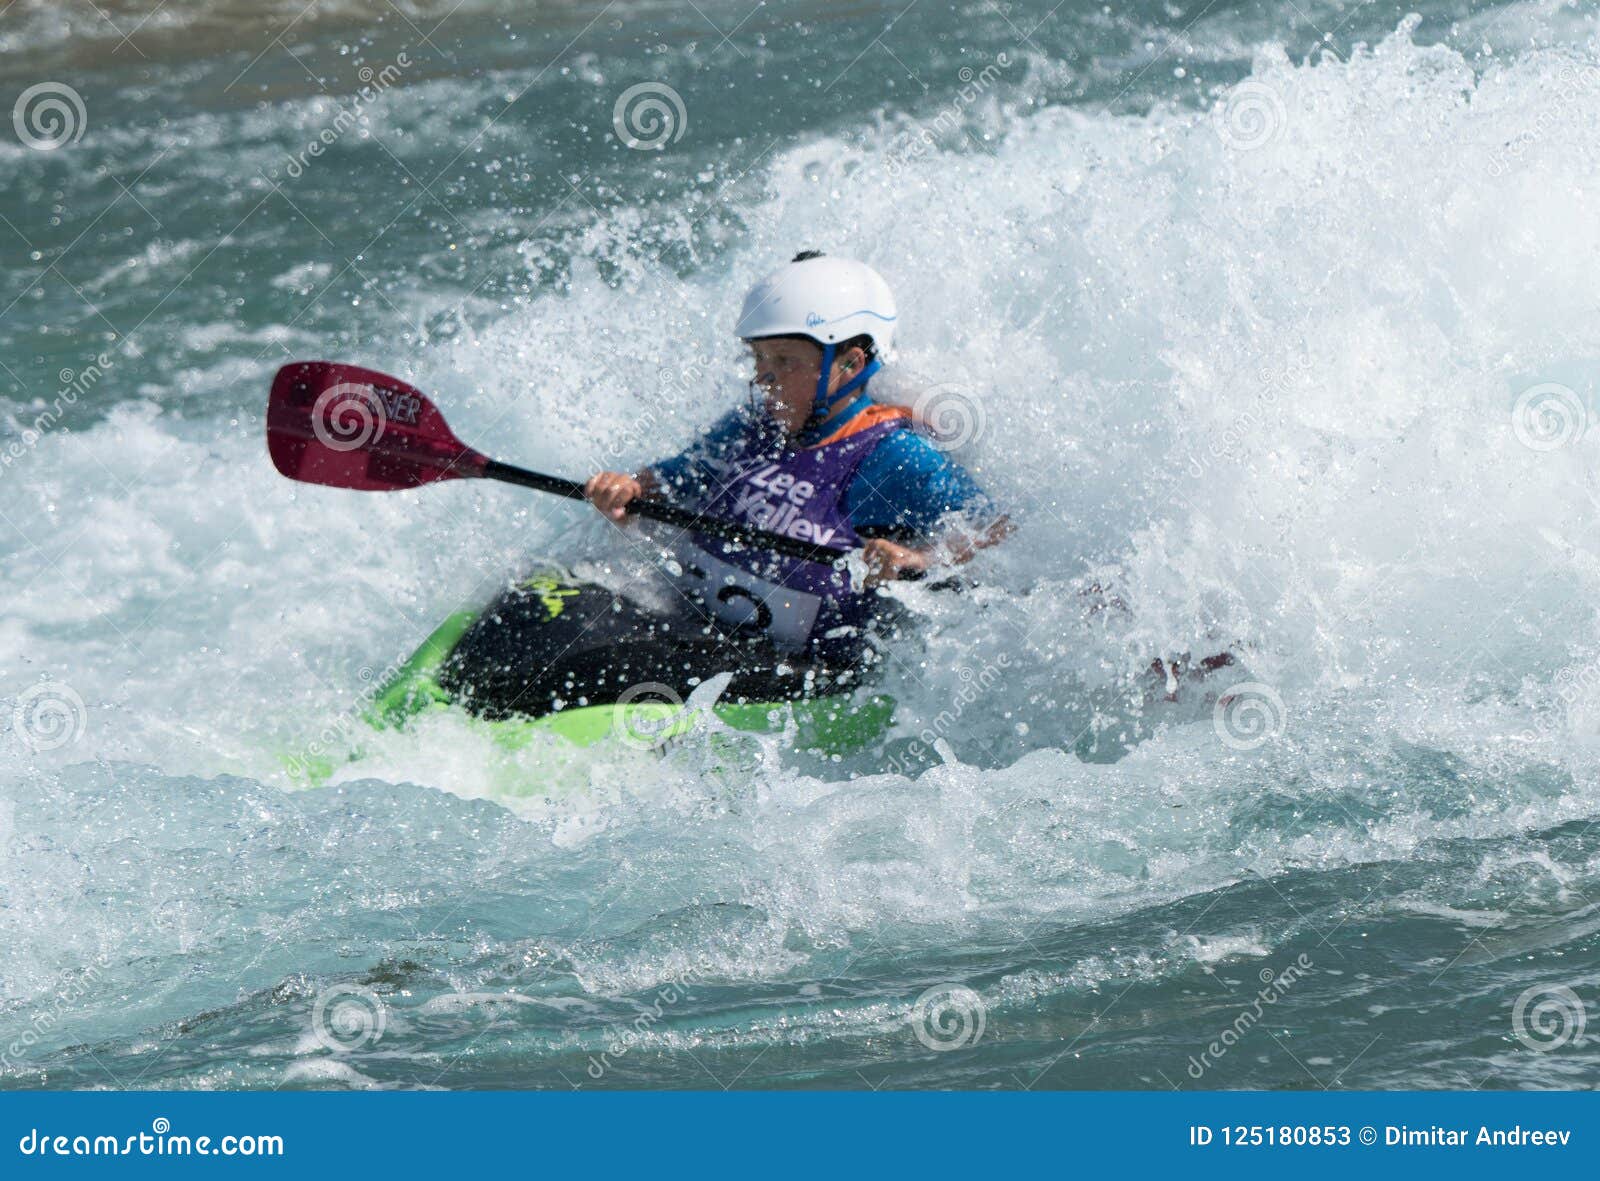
(667, 514)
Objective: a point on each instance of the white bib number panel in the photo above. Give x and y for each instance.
(739, 599)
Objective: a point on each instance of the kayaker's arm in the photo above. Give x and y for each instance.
(888, 561)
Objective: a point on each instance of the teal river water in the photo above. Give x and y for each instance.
(1277, 319)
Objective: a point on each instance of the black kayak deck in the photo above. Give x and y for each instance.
(552, 642)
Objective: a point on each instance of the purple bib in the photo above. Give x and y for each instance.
(799, 493)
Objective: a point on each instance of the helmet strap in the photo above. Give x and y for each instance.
(825, 403)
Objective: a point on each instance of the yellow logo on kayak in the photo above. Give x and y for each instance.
(550, 592)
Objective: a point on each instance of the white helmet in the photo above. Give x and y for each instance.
(827, 299)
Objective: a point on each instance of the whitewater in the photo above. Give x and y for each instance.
(1274, 331)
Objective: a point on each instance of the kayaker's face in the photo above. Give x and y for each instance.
(786, 375)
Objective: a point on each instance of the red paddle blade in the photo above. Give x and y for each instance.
(350, 427)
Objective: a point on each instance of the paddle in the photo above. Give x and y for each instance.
(349, 427)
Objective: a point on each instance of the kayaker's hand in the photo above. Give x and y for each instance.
(887, 562)
(611, 493)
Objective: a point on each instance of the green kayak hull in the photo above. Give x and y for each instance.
(550, 610)
(829, 725)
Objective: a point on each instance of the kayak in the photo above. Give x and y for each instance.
(559, 657)
(555, 658)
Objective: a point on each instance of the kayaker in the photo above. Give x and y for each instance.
(813, 457)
